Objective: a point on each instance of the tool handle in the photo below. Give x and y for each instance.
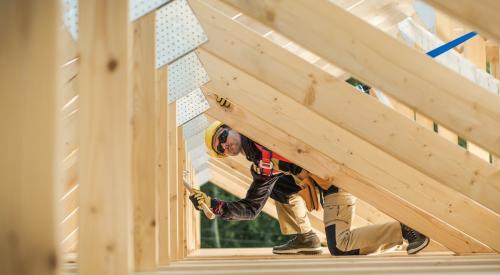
(206, 210)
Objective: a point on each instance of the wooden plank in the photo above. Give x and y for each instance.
(181, 193)
(162, 185)
(386, 63)
(365, 213)
(105, 147)
(410, 184)
(492, 56)
(189, 211)
(29, 119)
(172, 181)
(356, 112)
(143, 143)
(318, 163)
(252, 261)
(482, 16)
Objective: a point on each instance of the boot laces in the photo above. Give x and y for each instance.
(412, 236)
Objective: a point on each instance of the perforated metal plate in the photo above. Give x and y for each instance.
(69, 11)
(138, 8)
(177, 32)
(195, 126)
(184, 76)
(190, 106)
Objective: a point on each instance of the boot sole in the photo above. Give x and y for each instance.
(419, 248)
(303, 251)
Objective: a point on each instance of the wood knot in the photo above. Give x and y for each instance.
(112, 64)
(270, 16)
(52, 261)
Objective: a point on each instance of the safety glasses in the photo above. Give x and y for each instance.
(222, 139)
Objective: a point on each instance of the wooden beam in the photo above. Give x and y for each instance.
(369, 190)
(181, 194)
(143, 143)
(410, 184)
(365, 213)
(386, 63)
(172, 181)
(250, 261)
(29, 119)
(162, 203)
(347, 108)
(105, 147)
(482, 16)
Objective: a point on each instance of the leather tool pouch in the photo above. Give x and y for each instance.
(309, 193)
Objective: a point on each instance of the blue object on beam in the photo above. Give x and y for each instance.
(450, 45)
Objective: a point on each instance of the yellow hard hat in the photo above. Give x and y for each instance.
(209, 138)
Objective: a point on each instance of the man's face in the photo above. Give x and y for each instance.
(227, 142)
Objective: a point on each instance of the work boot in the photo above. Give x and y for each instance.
(416, 240)
(305, 243)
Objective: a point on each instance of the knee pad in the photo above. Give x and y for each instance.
(332, 243)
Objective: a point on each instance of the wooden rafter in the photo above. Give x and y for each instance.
(343, 105)
(389, 65)
(318, 163)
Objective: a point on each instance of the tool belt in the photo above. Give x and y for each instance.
(309, 193)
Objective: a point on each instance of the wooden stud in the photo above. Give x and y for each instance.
(181, 194)
(162, 206)
(105, 144)
(316, 162)
(172, 181)
(386, 63)
(29, 118)
(347, 108)
(143, 143)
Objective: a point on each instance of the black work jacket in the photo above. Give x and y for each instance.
(277, 186)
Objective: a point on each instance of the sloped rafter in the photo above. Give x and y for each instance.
(318, 163)
(365, 213)
(482, 15)
(353, 152)
(388, 64)
(343, 105)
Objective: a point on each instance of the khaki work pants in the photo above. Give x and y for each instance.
(339, 209)
(293, 217)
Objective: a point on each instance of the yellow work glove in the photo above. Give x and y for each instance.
(197, 197)
(223, 102)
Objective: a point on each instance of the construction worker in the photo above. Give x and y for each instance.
(274, 175)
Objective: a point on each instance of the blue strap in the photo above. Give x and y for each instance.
(450, 45)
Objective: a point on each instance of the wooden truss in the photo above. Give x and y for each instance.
(93, 162)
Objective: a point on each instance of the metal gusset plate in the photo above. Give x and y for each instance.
(184, 76)
(138, 8)
(178, 32)
(191, 106)
(69, 11)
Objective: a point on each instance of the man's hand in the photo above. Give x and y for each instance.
(198, 197)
